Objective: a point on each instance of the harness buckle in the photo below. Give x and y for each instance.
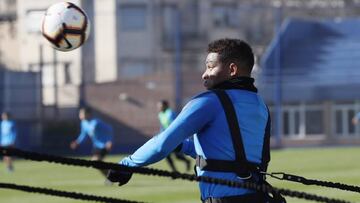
(276, 175)
(244, 176)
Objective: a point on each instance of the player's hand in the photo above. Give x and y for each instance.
(73, 145)
(121, 177)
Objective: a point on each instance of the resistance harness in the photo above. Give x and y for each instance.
(246, 170)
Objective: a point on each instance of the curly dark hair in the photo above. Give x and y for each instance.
(6, 113)
(164, 103)
(233, 51)
(86, 110)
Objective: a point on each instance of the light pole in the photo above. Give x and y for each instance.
(177, 66)
(278, 72)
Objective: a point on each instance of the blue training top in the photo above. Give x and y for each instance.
(99, 132)
(205, 118)
(8, 133)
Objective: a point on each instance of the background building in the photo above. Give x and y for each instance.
(141, 51)
(317, 82)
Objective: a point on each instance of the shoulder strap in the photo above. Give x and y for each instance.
(233, 125)
(235, 132)
(266, 145)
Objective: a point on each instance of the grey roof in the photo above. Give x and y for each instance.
(318, 60)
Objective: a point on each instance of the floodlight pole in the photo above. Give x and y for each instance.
(41, 69)
(177, 67)
(278, 76)
(41, 89)
(56, 90)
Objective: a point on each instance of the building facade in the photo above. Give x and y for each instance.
(137, 52)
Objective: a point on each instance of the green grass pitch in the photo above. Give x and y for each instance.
(329, 164)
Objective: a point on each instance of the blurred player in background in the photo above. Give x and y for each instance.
(8, 135)
(166, 116)
(356, 118)
(100, 133)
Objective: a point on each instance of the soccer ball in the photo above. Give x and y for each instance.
(65, 26)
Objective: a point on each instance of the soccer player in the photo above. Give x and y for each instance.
(166, 116)
(100, 133)
(356, 118)
(8, 135)
(230, 124)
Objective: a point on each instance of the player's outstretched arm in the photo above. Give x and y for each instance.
(193, 117)
(74, 144)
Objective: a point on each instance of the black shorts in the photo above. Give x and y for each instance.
(101, 153)
(6, 146)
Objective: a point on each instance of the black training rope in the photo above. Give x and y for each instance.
(305, 181)
(175, 175)
(59, 193)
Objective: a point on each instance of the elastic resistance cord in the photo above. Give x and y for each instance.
(305, 181)
(174, 175)
(59, 193)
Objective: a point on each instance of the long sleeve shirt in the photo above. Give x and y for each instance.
(8, 133)
(99, 132)
(204, 118)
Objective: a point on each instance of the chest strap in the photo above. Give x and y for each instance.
(242, 170)
(241, 166)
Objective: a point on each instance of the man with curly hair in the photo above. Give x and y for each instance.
(230, 125)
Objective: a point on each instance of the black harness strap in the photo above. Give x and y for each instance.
(224, 166)
(241, 166)
(266, 145)
(233, 125)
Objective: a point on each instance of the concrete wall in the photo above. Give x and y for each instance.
(56, 91)
(105, 40)
(9, 49)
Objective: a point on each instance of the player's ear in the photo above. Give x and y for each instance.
(234, 69)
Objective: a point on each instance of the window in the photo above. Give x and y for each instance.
(286, 123)
(297, 122)
(291, 122)
(48, 75)
(338, 119)
(300, 121)
(67, 75)
(132, 69)
(132, 17)
(169, 23)
(343, 114)
(314, 122)
(351, 114)
(48, 85)
(33, 20)
(224, 15)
